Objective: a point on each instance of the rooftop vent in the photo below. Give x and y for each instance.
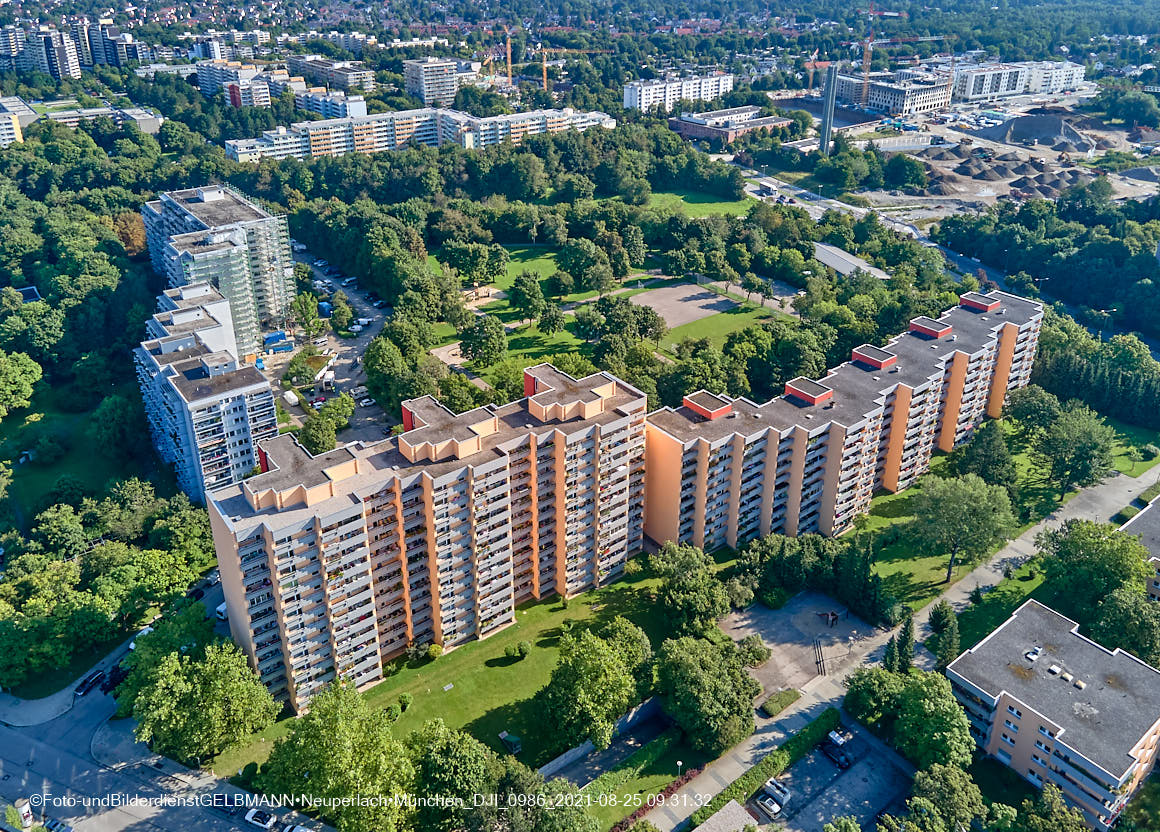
(1054, 670)
(877, 378)
(1000, 311)
(1067, 677)
(1080, 684)
(954, 338)
(1033, 654)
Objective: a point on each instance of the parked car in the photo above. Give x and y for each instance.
(294, 827)
(260, 819)
(221, 611)
(319, 342)
(114, 677)
(777, 791)
(214, 577)
(144, 631)
(379, 304)
(356, 328)
(318, 400)
(317, 405)
(836, 754)
(768, 806)
(89, 682)
(367, 402)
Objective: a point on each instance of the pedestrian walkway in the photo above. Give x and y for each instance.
(1098, 503)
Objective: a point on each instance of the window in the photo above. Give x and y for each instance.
(1011, 709)
(1008, 740)
(1045, 732)
(1014, 728)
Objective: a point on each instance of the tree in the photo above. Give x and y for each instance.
(60, 531)
(451, 765)
(906, 644)
(952, 793)
(707, 692)
(872, 696)
(1050, 813)
(988, 456)
(963, 518)
(944, 625)
(690, 592)
(483, 341)
(1085, 562)
(343, 747)
(931, 726)
(318, 434)
(890, 655)
(196, 709)
(1076, 450)
(18, 375)
(590, 688)
(902, 171)
(552, 320)
(525, 803)
(341, 315)
(631, 644)
(305, 312)
(1127, 619)
(186, 632)
(526, 296)
(298, 370)
(115, 427)
(846, 823)
(1033, 409)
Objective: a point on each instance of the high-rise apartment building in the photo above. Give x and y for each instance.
(333, 564)
(205, 411)
(12, 40)
(343, 75)
(666, 92)
(435, 81)
(215, 75)
(51, 52)
(723, 471)
(395, 130)
(1056, 707)
(214, 234)
(255, 93)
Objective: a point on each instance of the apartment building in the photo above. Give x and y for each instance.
(1052, 77)
(51, 52)
(666, 92)
(146, 120)
(343, 75)
(205, 411)
(214, 234)
(904, 93)
(213, 76)
(435, 81)
(9, 129)
(391, 131)
(252, 93)
(12, 40)
(1057, 707)
(335, 104)
(988, 82)
(335, 563)
(725, 125)
(722, 471)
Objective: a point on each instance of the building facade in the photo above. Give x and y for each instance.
(665, 93)
(723, 471)
(335, 104)
(905, 93)
(9, 129)
(343, 75)
(205, 411)
(51, 52)
(253, 93)
(213, 76)
(333, 564)
(395, 130)
(215, 235)
(1053, 76)
(435, 81)
(987, 82)
(1057, 707)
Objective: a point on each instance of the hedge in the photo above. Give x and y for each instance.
(637, 762)
(771, 765)
(1124, 515)
(778, 702)
(1150, 493)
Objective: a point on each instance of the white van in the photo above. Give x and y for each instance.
(221, 611)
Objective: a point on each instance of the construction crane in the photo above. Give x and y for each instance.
(544, 50)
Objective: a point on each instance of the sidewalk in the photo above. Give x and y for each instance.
(1098, 502)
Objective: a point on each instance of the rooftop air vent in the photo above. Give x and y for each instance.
(1054, 670)
(1033, 654)
(1067, 677)
(1080, 684)
(877, 378)
(954, 338)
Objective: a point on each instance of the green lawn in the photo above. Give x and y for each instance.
(645, 773)
(528, 346)
(490, 693)
(978, 620)
(696, 204)
(717, 327)
(1132, 436)
(1000, 784)
(32, 481)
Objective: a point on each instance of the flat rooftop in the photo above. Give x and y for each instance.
(194, 384)
(1117, 705)
(215, 205)
(1146, 524)
(843, 262)
(858, 390)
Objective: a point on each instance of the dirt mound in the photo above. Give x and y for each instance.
(1022, 184)
(1004, 170)
(1009, 157)
(943, 189)
(1045, 129)
(957, 152)
(1148, 173)
(1066, 147)
(989, 175)
(1024, 169)
(1104, 144)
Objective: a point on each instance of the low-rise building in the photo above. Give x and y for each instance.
(665, 93)
(335, 104)
(205, 411)
(1056, 707)
(333, 564)
(725, 125)
(394, 130)
(146, 120)
(905, 93)
(1146, 526)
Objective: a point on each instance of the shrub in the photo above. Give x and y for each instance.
(524, 648)
(511, 652)
(774, 598)
(1150, 452)
(405, 700)
(739, 593)
(394, 712)
(779, 701)
(773, 764)
(434, 651)
(753, 651)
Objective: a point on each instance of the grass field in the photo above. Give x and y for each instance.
(489, 692)
(1132, 436)
(1144, 808)
(716, 327)
(528, 346)
(32, 481)
(978, 620)
(697, 204)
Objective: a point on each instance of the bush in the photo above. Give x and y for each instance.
(753, 651)
(773, 764)
(394, 712)
(511, 652)
(739, 593)
(405, 700)
(1150, 452)
(774, 598)
(434, 651)
(524, 648)
(778, 702)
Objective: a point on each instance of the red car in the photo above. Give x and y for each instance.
(319, 400)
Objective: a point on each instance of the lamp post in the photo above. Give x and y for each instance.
(679, 764)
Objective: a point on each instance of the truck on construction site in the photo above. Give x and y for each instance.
(282, 346)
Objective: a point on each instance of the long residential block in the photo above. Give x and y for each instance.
(722, 471)
(429, 126)
(1056, 707)
(335, 563)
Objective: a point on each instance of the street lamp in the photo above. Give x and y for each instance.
(679, 764)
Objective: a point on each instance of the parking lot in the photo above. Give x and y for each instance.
(820, 791)
(684, 303)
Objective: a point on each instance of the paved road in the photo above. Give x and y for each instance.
(1099, 502)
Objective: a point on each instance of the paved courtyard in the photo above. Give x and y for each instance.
(684, 304)
(799, 634)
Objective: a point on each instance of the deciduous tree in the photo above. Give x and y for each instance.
(963, 518)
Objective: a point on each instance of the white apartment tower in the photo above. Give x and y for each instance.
(665, 93)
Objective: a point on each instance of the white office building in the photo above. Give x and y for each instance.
(665, 93)
(206, 412)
